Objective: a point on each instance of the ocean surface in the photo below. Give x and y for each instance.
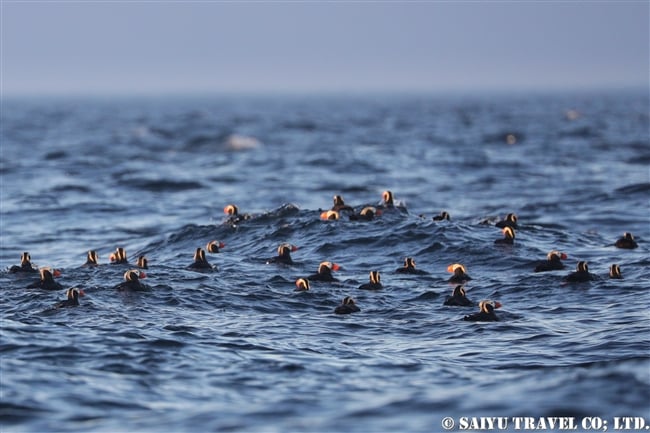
(236, 348)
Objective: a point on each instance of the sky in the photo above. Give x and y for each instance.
(144, 47)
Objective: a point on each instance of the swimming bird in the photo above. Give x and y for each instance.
(458, 298)
(367, 213)
(388, 202)
(615, 272)
(46, 281)
(142, 263)
(409, 267)
(626, 242)
(324, 272)
(443, 216)
(553, 262)
(375, 282)
(214, 247)
(118, 257)
(284, 254)
(509, 236)
(92, 259)
(387, 199)
(302, 285)
(340, 206)
(234, 217)
(132, 281)
(485, 313)
(330, 215)
(200, 262)
(25, 265)
(231, 210)
(72, 298)
(509, 221)
(460, 274)
(347, 306)
(581, 274)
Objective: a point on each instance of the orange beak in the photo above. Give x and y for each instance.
(82, 293)
(142, 275)
(56, 273)
(294, 248)
(497, 304)
(335, 267)
(450, 268)
(221, 245)
(323, 215)
(563, 256)
(112, 257)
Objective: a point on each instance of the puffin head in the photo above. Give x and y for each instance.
(231, 210)
(302, 284)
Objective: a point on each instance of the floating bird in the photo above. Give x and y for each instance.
(626, 242)
(581, 274)
(118, 257)
(485, 313)
(347, 306)
(367, 213)
(460, 274)
(553, 262)
(234, 217)
(409, 267)
(442, 216)
(25, 265)
(231, 210)
(375, 282)
(340, 206)
(302, 285)
(387, 199)
(46, 281)
(200, 262)
(330, 215)
(142, 262)
(92, 259)
(615, 272)
(72, 298)
(284, 254)
(458, 298)
(324, 272)
(509, 236)
(213, 247)
(132, 281)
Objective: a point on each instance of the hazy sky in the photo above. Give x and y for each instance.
(206, 46)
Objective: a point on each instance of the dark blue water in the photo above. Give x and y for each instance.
(237, 349)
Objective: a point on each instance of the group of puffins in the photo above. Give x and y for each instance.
(132, 277)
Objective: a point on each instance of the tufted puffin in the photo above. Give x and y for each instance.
(25, 265)
(458, 298)
(485, 313)
(347, 306)
(553, 262)
(626, 242)
(460, 274)
(324, 272)
(47, 280)
(375, 282)
(284, 254)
